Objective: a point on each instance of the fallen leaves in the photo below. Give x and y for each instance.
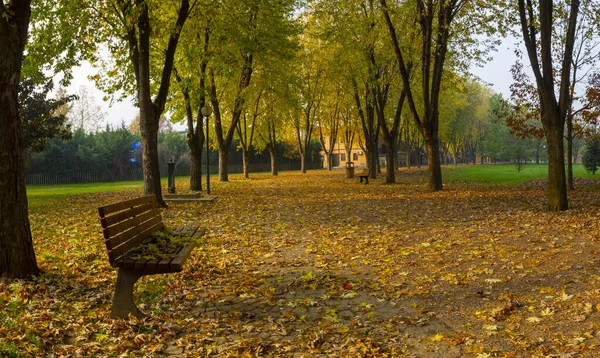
(316, 264)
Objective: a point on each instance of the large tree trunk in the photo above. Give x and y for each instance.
(149, 133)
(408, 152)
(557, 190)
(196, 165)
(223, 162)
(245, 162)
(571, 181)
(273, 156)
(433, 161)
(17, 256)
(303, 163)
(374, 154)
(390, 157)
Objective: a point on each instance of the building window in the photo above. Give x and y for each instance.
(343, 157)
(355, 156)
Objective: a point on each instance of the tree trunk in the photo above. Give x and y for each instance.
(17, 256)
(408, 153)
(223, 161)
(374, 159)
(149, 133)
(571, 181)
(245, 161)
(195, 165)
(433, 161)
(303, 163)
(557, 189)
(390, 157)
(329, 163)
(273, 156)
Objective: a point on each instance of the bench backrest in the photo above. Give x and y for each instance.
(365, 172)
(127, 223)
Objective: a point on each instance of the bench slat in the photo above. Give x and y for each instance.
(184, 253)
(199, 233)
(128, 245)
(113, 231)
(164, 264)
(113, 208)
(117, 240)
(118, 217)
(127, 263)
(152, 264)
(140, 264)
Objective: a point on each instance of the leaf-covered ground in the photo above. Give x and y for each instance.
(318, 265)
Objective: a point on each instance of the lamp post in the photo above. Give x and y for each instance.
(206, 112)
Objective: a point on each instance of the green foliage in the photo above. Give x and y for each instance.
(107, 150)
(174, 144)
(42, 117)
(591, 155)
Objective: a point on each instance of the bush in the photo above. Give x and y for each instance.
(591, 155)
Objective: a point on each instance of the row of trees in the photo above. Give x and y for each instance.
(117, 150)
(269, 68)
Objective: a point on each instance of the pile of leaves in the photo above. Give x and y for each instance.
(162, 244)
(307, 265)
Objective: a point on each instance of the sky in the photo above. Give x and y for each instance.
(124, 111)
(495, 73)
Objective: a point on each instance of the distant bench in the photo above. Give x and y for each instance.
(127, 228)
(364, 174)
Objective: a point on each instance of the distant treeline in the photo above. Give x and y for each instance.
(114, 154)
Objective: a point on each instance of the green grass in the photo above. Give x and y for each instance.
(40, 194)
(504, 173)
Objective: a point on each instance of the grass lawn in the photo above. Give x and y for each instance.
(43, 194)
(504, 173)
(315, 264)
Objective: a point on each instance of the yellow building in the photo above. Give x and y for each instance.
(339, 156)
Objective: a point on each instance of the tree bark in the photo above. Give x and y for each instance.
(245, 162)
(408, 151)
(196, 168)
(273, 157)
(17, 256)
(223, 162)
(557, 190)
(571, 181)
(303, 163)
(433, 161)
(272, 145)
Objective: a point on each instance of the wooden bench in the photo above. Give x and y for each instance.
(127, 225)
(364, 174)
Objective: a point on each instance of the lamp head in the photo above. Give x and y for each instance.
(207, 111)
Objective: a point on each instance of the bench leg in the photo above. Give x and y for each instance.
(366, 180)
(360, 179)
(123, 303)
